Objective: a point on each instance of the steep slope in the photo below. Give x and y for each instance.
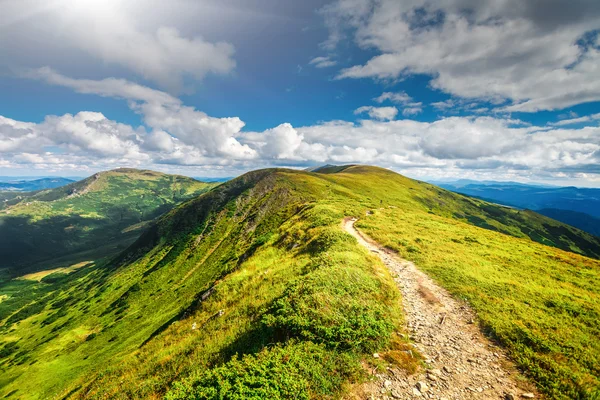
(87, 219)
(260, 267)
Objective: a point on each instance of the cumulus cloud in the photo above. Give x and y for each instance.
(212, 137)
(281, 142)
(536, 55)
(380, 113)
(323, 62)
(177, 135)
(85, 132)
(462, 146)
(482, 145)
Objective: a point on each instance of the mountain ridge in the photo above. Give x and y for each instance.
(266, 250)
(64, 219)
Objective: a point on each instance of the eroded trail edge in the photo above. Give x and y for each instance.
(462, 363)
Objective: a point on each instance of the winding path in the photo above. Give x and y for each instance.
(462, 363)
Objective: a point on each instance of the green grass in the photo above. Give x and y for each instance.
(100, 215)
(541, 303)
(268, 247)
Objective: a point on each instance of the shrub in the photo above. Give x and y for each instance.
(295, 371)
(340, 307)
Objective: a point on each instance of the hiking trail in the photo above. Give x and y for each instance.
(461, 362)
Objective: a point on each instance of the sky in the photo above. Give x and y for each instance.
(488, 90)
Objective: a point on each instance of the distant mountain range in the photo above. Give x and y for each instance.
(31, 185)
(579, 207)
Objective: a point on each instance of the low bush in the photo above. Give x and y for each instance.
(339, 307)
(295, 371)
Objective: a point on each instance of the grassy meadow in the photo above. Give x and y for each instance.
(254, 287)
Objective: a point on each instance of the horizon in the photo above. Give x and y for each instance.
(551, 184)
(219, 88)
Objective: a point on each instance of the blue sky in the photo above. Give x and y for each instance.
(506, 90)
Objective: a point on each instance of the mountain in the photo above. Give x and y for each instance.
(254, 287)
(97, 216)
(327, 168)
(458, 183)
(580, 220)
(212, 179)
(533, 197)
(34, 184)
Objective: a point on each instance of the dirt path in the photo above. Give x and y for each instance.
(462, 363)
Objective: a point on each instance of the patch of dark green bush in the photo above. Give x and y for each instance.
(343, 308)
(294, 371)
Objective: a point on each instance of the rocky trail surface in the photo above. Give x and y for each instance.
(461, 362)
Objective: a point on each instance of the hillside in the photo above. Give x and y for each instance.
(570, 205)
(260, 268)
(97, 216)
(580, 220)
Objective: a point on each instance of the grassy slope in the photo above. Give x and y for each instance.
(232, 236)
(542, 303)
(85, 219)
(270, 246)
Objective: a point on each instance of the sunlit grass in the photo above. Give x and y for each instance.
(542, 303)
(270, 248)
(38, 276)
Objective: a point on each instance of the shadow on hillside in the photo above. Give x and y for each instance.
(24, 243)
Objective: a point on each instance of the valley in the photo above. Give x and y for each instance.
(579, 207)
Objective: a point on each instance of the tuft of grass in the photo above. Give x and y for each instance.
(403, 355)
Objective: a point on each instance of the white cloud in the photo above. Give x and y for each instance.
(410, 107)
(482, 146)
(380, 113)
(525, 52)
(571, 121)
(175, 135)
(115, 34)
(109, 87)
(398, 98)
(408, 111)
(323, 62)
(212, 137)
(281, 142)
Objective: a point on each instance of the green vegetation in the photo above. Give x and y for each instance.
(254, 286)
(341, 308)
(297, 371)
(96, 217)
(541, 303)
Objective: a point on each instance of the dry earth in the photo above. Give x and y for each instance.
(461, 363)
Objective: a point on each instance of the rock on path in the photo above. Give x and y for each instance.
(462, 363)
